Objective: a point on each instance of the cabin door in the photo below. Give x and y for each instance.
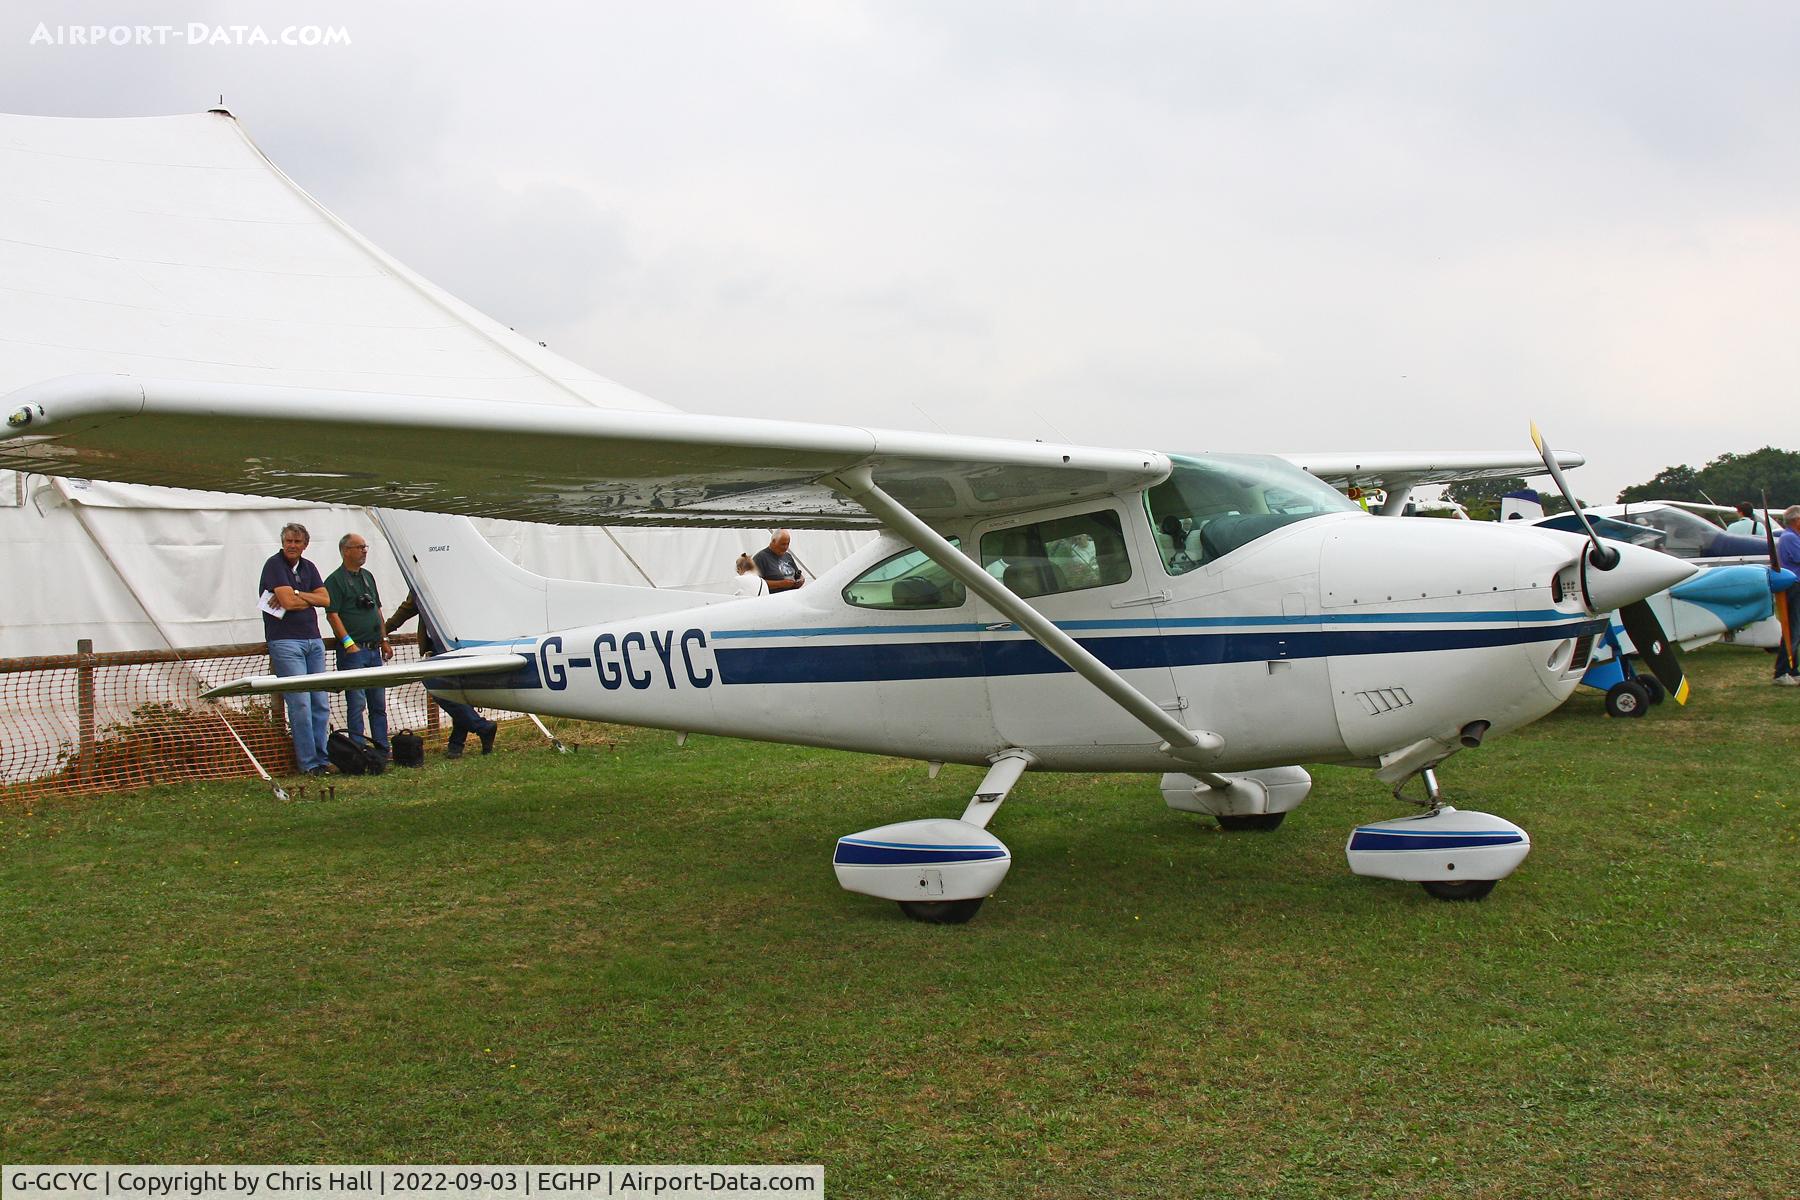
(1083, 568)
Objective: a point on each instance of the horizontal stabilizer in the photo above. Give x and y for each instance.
(444, 666)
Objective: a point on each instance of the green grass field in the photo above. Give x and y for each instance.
(641, 955)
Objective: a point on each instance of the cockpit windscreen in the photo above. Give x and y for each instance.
(1211, 504)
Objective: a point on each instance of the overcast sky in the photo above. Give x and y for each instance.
(1190, 227)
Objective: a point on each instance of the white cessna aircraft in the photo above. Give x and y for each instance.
(1216, 618)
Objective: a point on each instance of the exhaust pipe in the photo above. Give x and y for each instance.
(1472, 733)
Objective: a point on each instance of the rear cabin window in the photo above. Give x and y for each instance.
(1064, 555)
(908, 580)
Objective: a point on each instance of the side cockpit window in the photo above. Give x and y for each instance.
(908, 580)
(1062, 555)
(1210, 506)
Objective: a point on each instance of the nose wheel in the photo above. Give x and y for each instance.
(1452, 854)
(1462, 889)
(1629, 698)
(942, 912)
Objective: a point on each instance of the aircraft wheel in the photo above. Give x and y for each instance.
(1627, 698)
(1653, 687)
(941, 912)
(1459, 889)
(1259, 822)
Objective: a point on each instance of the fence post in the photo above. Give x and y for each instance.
(84, 704)
(277, 702)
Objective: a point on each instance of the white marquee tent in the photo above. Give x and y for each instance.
(171, 246)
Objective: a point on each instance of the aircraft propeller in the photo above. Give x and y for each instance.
(1602, 556)
(1640, 622)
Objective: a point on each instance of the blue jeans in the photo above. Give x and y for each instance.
(356, 700)
(464, 720)
(308, 713)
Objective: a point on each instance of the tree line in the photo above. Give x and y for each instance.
(1727, 479)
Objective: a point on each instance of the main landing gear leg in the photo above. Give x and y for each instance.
(1453, 855)
(938, 871)
(1434, 795)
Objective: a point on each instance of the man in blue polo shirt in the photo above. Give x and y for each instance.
(291, 586)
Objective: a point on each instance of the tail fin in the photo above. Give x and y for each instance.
(474, 595)
(1523, 505)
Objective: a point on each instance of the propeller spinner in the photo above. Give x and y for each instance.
(1602, 560)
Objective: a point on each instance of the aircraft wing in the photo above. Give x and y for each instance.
(445, 666)
(1712, 512)
(1414, 468)
(531, 462)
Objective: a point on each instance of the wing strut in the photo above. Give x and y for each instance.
(1398, 493)
(1197, 746)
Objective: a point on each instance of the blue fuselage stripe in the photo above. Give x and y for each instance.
(915, 856)
(1014, 656)
(1365, 839)
(1346, 618)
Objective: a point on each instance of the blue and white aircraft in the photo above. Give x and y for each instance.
(1730, 598)
(1218, 619)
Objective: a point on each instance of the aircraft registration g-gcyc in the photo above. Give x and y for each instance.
(1220, 619)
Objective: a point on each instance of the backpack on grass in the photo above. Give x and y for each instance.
(409, 749)
(353, 756)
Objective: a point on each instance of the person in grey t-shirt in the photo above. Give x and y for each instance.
(779, 569)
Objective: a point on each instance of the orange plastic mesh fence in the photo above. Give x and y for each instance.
(82, 723)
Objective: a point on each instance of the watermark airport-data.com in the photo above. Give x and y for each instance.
(190, 33)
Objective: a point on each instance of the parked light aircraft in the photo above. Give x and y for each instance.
(1666, 526)
(1730, 599)
(1216, 618)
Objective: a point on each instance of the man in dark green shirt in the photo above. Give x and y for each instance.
(355, 616)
